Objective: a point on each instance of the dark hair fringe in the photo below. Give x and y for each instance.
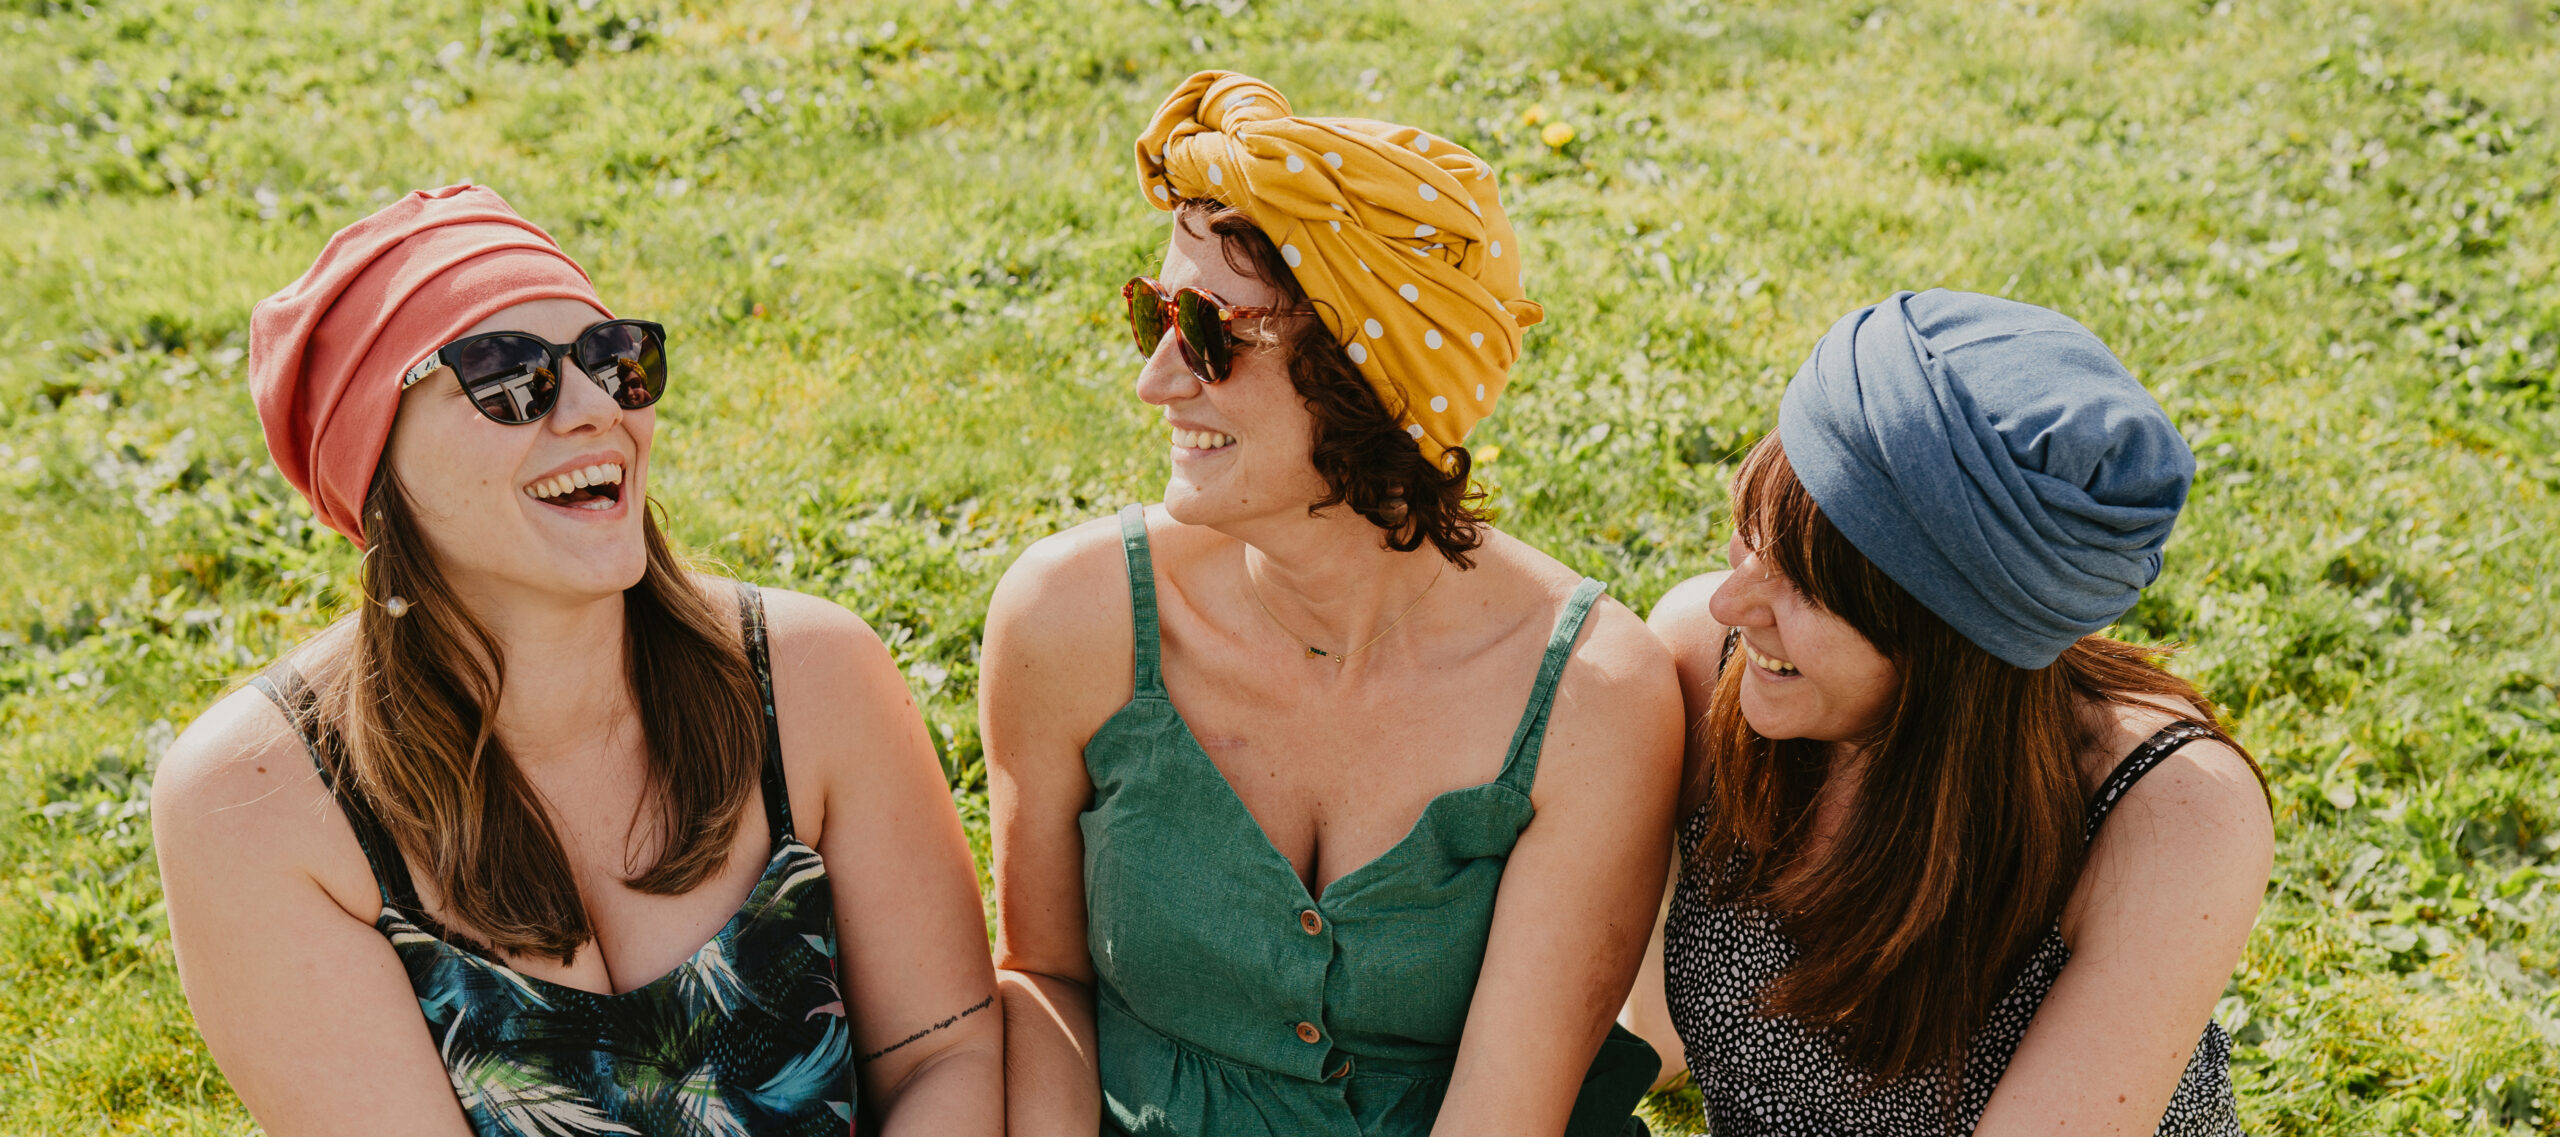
(1367, 461)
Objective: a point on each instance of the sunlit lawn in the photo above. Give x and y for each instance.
(886, 239)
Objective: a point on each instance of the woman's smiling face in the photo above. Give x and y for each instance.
(553, 506)
(1806, 672)
(1240, 448)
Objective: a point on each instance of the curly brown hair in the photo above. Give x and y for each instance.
(1366, 459)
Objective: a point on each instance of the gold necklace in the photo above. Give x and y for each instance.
(1314, 652)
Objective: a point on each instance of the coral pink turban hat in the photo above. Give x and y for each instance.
(326, 354)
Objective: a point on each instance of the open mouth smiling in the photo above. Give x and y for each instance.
(1770, 664)
(1202, 439)
(593, 488)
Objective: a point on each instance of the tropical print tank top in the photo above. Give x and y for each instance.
(748, 1036)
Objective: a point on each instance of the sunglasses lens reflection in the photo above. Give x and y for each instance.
(1146, 316)
(628, 360)
(1203, 334)
(508, 377)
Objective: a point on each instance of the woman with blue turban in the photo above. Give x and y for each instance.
(1902, 908)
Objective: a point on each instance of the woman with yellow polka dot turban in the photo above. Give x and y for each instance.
(1388, 867)
(1394, 233)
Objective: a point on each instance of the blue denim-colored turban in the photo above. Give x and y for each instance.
(1994, 459)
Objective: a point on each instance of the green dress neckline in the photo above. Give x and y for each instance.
(1520, 757)
(1232, 1000)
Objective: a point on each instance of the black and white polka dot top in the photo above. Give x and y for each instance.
(1762, 1075)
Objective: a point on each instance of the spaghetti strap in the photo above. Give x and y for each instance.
(1146, 637)
(284, 686)
(1520, 768)
(2144, 758)
(777, 790)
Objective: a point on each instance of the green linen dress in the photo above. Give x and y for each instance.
(1228, 1002)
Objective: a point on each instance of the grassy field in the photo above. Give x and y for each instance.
(886, 240)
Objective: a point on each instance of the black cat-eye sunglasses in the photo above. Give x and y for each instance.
(514, 377)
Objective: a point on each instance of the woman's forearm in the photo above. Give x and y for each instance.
(1051, 1087)
(1648, 1010)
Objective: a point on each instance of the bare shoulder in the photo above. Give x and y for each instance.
(1077, 553)
(825, 660)
(1613, 655)
(1681, 620)
(804, 631)
(237, 790)
(1613, 728)
(2199, 818)
(2208, 778)
(236, 762)
(1619, 658)
(1066, 586)
(2205, 795)
(841, 706)
(1617, 706)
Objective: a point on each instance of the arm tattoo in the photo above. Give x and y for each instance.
(982, 1004)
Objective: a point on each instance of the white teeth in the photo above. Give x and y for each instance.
(1780, 666)
(1201, 439)
(604, 474)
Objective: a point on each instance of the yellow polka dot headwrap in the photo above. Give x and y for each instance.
(1394, 233)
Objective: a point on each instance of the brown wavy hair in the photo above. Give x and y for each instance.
(1366, 460)
(1963, 839)
(416, 699)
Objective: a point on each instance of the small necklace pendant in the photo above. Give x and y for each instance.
(1314, 652)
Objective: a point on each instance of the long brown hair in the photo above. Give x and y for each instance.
(1962, 840)
(1367, 461)
(416, 701)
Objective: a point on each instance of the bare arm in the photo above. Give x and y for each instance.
(918, 987)
(2159, 919)
(1580, 890)
(1696, 642)
(303, 1003)
(1056, 666)
(1647, 1014)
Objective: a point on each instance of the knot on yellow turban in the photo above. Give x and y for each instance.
(1395, 234)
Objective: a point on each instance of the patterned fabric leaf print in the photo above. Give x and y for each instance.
(746, 1036)
(699, 1101)
(505, 1096)
(794, 866)
(456, 977)
(710, 982)
(811, 1072)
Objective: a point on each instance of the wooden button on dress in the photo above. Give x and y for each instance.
(1313, 923)
(1307, 1033)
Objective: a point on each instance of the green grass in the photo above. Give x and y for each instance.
(887, 237)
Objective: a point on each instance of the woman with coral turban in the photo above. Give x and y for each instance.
(551, 834)
(1321, 806)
